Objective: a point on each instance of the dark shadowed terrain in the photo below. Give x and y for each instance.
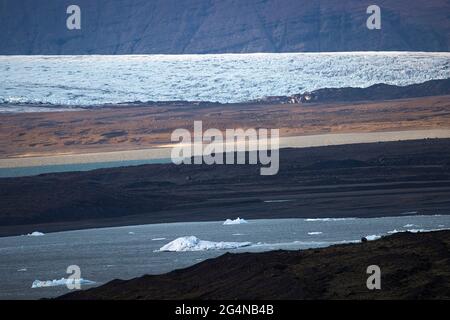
(362, 180)
(218, 26)
(413, 266)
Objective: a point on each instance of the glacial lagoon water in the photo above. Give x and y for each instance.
(127, 252)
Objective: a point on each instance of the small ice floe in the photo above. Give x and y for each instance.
(192, 243)
(60, 282)
(35, 234)
(235, 221)
(410, 230)
(372, 237)
(314, 233)
(408, 213)
(158, 239)
(22, 270)
(409, 225)
(238, 234)
(131, 232)
(329, 219)
(420, 230)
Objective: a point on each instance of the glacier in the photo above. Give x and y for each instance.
(73, 81)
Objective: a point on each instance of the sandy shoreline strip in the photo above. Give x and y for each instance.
(285, 142)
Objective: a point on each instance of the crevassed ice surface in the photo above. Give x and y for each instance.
(92, 80)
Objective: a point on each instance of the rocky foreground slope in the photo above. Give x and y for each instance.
(217, 26)
(413, 266)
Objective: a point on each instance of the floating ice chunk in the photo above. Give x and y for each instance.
(373, 237)
(22, 270)
(131, 232)
(60, 282)
(235, 221)
(158, 239)
(35, 234)
(192, 243)
(314, 233)
(409, 225)
(421, 230)
(329, 219)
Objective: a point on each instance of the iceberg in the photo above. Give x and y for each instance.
(314, 233)
(35, 234)
(235, 221)
(192, 243)
(60, 282)
(372, 237)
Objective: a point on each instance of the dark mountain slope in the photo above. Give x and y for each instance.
(211, 26)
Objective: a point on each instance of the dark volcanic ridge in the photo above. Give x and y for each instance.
(217, 26)
(413, 266)
(376, 92)
(355, 180)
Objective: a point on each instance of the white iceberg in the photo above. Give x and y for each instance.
(60, 282)
(314, 233)
(192, 243)
(235, 221)
(372, 237)
(35, 234)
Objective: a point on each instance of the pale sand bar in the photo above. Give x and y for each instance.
(164, 152)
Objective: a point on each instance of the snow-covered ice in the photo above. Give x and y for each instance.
(97, 79)
(314, 233)
(235, 221)
(158, 239)
(373, 237)
(60, 282)
(192, 243)
(35, 234)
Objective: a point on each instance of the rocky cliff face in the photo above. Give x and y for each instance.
(213, 26)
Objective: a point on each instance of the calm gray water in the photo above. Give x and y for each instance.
(127, 252)
(36, 170)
